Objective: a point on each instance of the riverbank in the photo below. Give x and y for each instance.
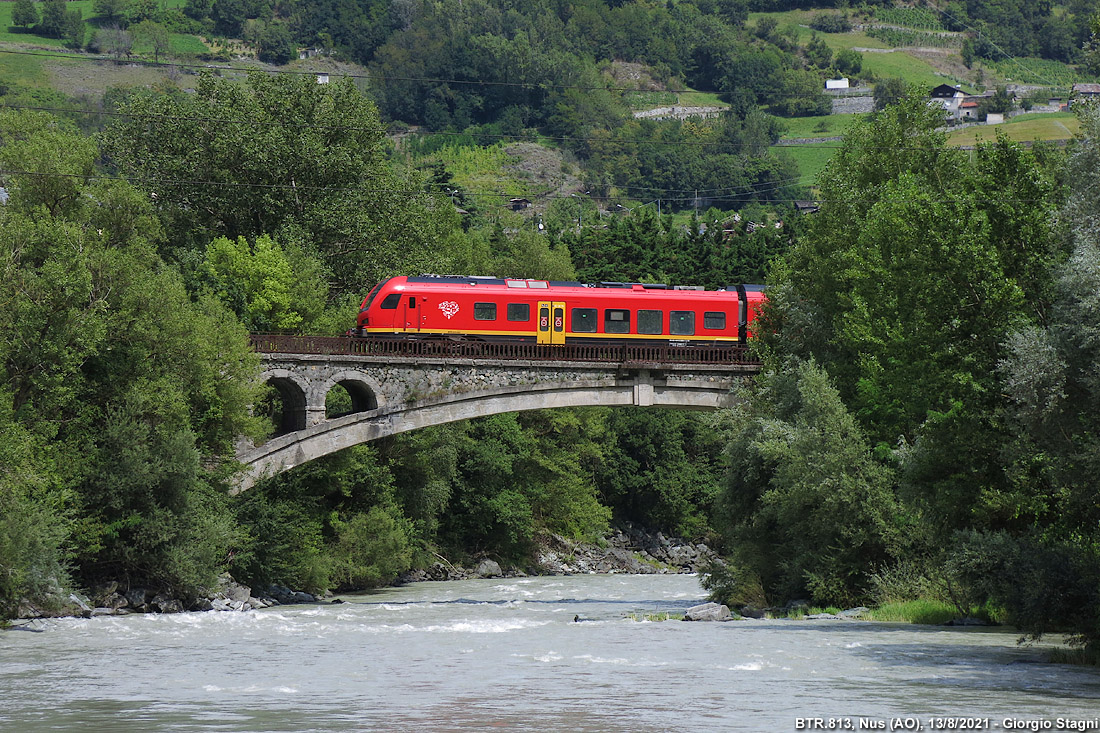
(625, 550)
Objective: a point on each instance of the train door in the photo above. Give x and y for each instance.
(551, 323)
(409, 314)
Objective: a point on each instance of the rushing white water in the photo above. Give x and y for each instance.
(507, 654)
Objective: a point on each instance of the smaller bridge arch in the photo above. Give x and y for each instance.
(361, 388)
(293, 392)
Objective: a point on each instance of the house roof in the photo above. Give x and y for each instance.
(944, 90)
(969, 103)
(1086, 88)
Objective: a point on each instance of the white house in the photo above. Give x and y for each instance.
(841, 83)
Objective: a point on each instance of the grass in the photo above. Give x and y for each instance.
(646, 100)
(477, 169)
(914, 612)
(21, 70)
(901, 65)
(1024, 128)
(811, 159)
(824, 126)
(700, 99)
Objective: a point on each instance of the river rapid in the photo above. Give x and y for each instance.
(508, 655)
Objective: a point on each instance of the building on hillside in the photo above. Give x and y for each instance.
(948, 97)
(1086, 91)
(518, 204)
(841, 83)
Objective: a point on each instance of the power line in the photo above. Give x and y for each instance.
(739, 192)
(713, 194)
(347, 75)
(825, 145)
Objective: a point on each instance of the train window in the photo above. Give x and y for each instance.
(391, 302)
(681, 323)
(412, 301)
(584, 320)
(651, 322)
(714, 320)
(616, 321)
(485, 311)
(519, 312)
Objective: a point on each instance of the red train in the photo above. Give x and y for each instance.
(547, 312)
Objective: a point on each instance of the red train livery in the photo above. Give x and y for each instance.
(547, 312)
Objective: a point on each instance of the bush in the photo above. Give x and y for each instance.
(831, 23)
(371, 548)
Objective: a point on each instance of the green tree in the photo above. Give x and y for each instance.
(111, 11)
(906, 285)
(139, 390)
(268, 287)
(807, 508)
(276, 45)
(24, 13)
(53, 19)
(305, 162)
(889, 91)
(849, 61)
(154, 35)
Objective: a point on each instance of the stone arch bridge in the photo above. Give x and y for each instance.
(396, 386)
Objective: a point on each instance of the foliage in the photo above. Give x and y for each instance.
(269, 288)
(138, 409)
(661, 470)
(302, 161)
(831, 23)
(849, 61)
(807, 507)
(371, 548)
(35, 518)
(889, 91)
(24, 13)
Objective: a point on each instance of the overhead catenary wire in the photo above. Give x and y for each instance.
(735, 192)
(712, 194)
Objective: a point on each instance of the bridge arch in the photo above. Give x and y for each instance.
(293, 395)
(361, 388)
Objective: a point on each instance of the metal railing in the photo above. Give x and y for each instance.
(618, 353)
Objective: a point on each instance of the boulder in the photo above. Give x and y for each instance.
(162, 603)
(708, 612)
(234, 591)
(135, 597)
(854, 612)
(115, 601)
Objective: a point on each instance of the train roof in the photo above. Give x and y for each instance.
(531, 283)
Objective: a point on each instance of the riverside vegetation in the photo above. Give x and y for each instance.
(925, 425)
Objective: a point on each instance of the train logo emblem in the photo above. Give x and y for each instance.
(449, 308)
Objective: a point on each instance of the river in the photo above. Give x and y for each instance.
(508, 655)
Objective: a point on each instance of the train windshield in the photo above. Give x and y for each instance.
(373, 294)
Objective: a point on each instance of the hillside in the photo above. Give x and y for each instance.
(621, 100)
